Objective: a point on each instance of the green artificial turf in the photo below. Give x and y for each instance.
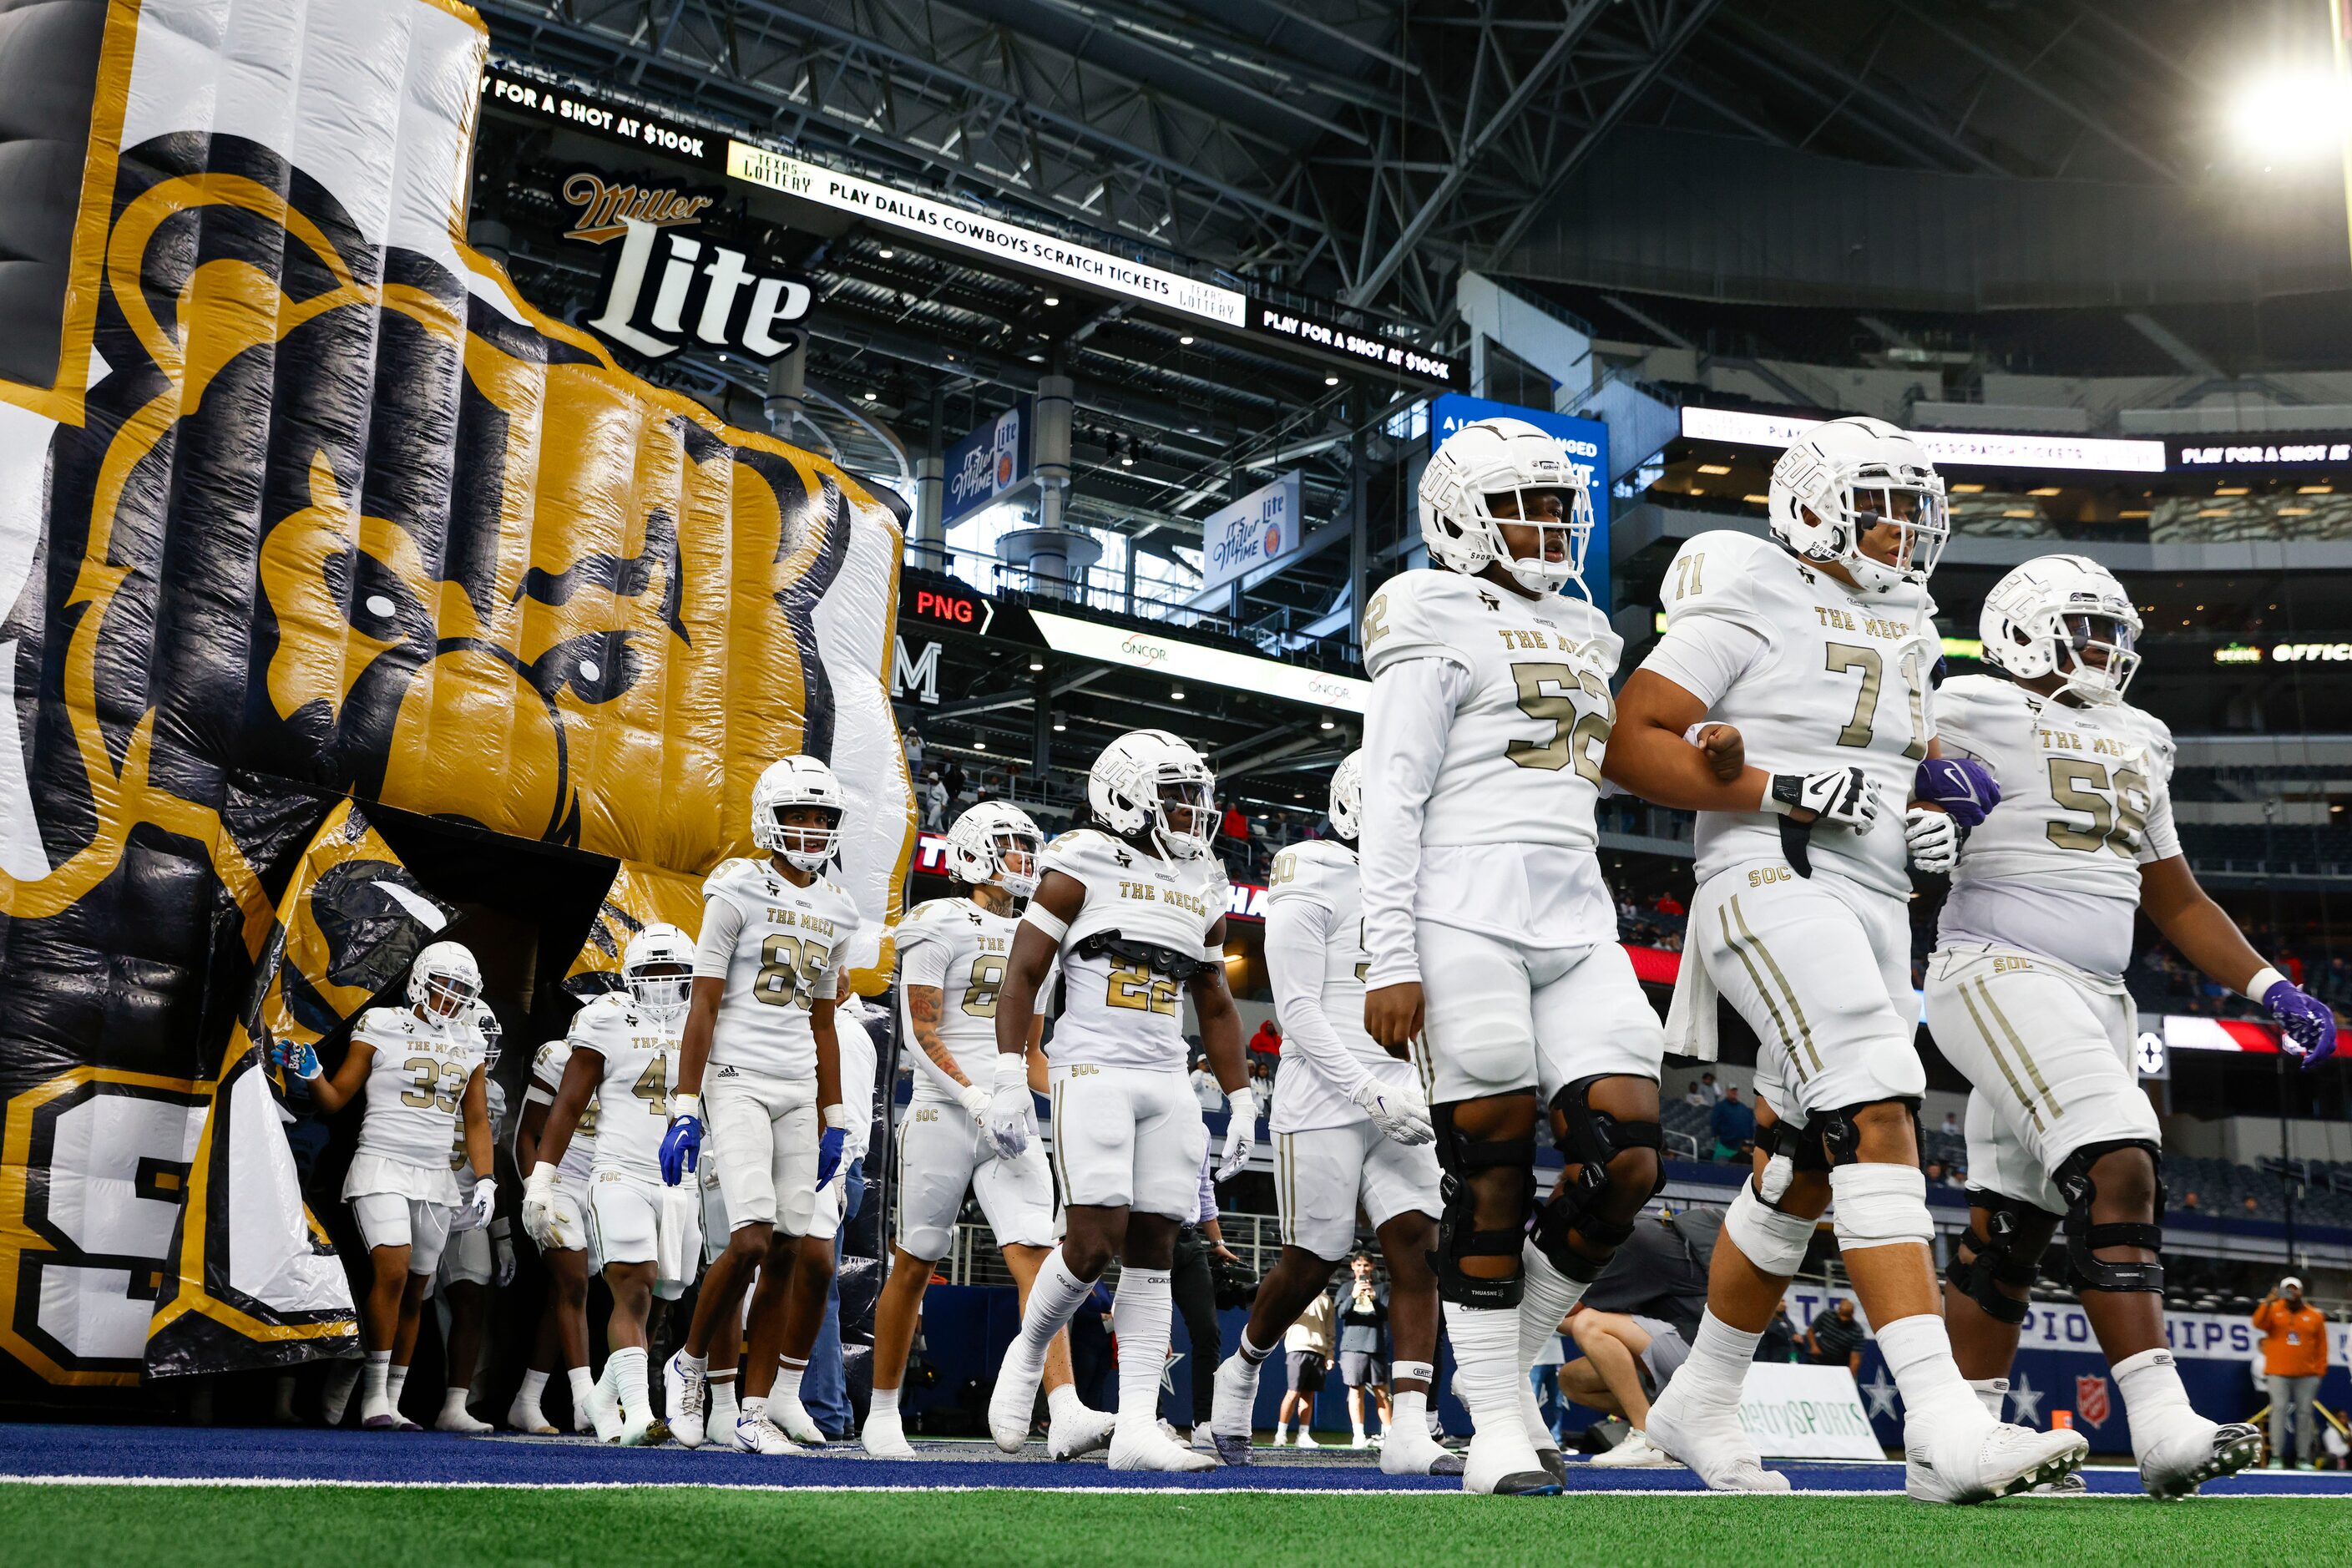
(181, 1526)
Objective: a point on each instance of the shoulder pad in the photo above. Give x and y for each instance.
(2161, 748)
(1076, 852)
(543, 1060)
(387, 1021)
(1305, 870)
(1720, 574)
(1409, 616)
(599, 1020)
(739, 877)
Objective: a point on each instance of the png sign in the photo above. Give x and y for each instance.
(1259, 529)
(663, 288)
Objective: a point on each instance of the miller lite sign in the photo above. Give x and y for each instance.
(664, 289)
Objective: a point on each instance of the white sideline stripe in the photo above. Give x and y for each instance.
(280, 1483)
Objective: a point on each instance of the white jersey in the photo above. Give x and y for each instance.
(547, 1069)
(1318, 988)
(1814, 675)
(416, 1084)
(494, 1095)
(957, 949)
(640, 1073)
(781, 950)
(1490, 713)
(2054, 869)
(1117, 1011)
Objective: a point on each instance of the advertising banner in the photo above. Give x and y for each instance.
(988, 464)
(1793, 1412)
(1260, 530)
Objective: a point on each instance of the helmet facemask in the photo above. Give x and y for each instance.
(447, 995)
(1176, 794)
(1014, 855)
(1561, 515)
(1913, 506)
(2076, 636)
(661, 989)
(808, 847)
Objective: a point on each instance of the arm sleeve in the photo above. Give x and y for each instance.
(1412, 707)
(1208, 1209)
(1704, 654)
(2162, 839)
(1296, 930)
(722, 928)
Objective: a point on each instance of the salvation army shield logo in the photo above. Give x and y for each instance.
(2091, 1399)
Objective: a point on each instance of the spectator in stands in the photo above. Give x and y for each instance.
(2294, 1358)
(1734, 1126)
(2251, 1206)
(1780, 1341)
(1835, 1339)
(1692, 1096)
(1205, 1088)
(935, 804)
(2189, 1200)
(1707, 1088)
(952, 775)
(1264, 1047)
(1951, 1127)
(914, 753)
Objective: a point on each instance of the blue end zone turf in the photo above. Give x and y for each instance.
(296, 1456)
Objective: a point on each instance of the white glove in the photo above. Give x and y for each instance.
(1934, 838)
(502, 1251)
(1009, 1107)
(485, 1201)
(539, 1205)
(1241, 1132)
(1398, 1112)
(1846, 796)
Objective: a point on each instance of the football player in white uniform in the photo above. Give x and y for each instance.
(647, 1233)
(421, 1069)
(1135, 910)
(1490, 933)
(1350, 1128)
(477, 1257)
(563, 1339)
(1811, 652)
(760, 1045)
(2025, 995)
(951, 959)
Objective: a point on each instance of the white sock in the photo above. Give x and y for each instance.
(1549, 1297)
(582, 1386)
(1358, 1432)
(1139, 1317)
(1251, 1352)
(1919, 1353)
(375, 1380)
(1062, 1402)
(626, 1370)
(1486, 1364)
(1721, 1357)
(692, 1364)
(392, 1386)
(723, 1411)
(2150, 1385)
(453, 1401)
(788, 1379)
(1992, 1393)
(534, 1385)
(1053, 1298)
(884, 1402)
(1408, 1413)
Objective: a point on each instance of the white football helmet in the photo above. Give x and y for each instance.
(797, 780)
(1144, 774)
(1839, 478)
(657, 966)
(487, 1024)
(1348, 793)
(1482, 463)
(2047, 613)
(443, 980)
(996, 841)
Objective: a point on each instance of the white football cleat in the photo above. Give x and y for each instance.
(884, 1437)
(1085, 1431)
(583, 1413)
(2071, 1485)
(1978, 1464)
(604, 1409)
(755, 1434)
(636, 1426)
(1233, 1409)
(1150, 1449)
(1013, 1402)
(1281, 1437)
(2185, 1459)
(686, 1395)
(378, 1416)
(1636, 1452)
(1714, 1446)
(787, 1411)
(1417, 1454)
(1502, 1462)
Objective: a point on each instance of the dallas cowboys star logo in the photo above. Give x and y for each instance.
(2025, 1401)
(1881, 1393)
(1168, 1371)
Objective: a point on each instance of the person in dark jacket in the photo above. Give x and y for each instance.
(1363, 1320)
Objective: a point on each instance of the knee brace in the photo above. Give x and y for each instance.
(1773, 1241)
(2085, 1269)
(1996, 1259)
(1787, 1149)
(1842, 1134)
(1590, 1139)
(1460, 1157)
(1881, 1205)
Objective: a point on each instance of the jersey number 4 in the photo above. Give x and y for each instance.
(653, 1085)
(1547, 693)
(789, 970)
(2117, 806)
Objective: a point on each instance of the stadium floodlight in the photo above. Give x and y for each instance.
(2292, 115)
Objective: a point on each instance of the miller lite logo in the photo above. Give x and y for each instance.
(2091, 1398)
(606, 205)
(664, 289)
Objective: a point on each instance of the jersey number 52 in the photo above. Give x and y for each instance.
(1548, 693)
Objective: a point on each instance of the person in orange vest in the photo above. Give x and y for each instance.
(2294, 1358)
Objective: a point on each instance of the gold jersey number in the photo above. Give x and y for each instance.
(653, 1085)
(983, 985)
(1133, 985)
(790, 968)
(1548, 694)
(1845, 657)
(2116, 803)
(439, 1085)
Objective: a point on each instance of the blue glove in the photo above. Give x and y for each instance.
(2305, 1020)
(298, 1059)
(1963, 786)
(681, 1148)
(828, 1154)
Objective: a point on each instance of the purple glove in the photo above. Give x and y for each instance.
(1963, 786)
(2308, 1027)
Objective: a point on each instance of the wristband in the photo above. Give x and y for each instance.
(2259, 986)
(501, 1228)
(1782, 793)
(685, 1105)
(1242, 1102)
(837, 1116)
(1052, 926)
(1012, 1069)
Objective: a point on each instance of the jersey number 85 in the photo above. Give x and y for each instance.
(790, 968)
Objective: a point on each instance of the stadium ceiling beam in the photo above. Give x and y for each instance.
(1474, 144)
(1199, 44)
(2131, 39)
(1842, 104)
(2059, 102)
(1341, 37)
(1671, 36)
